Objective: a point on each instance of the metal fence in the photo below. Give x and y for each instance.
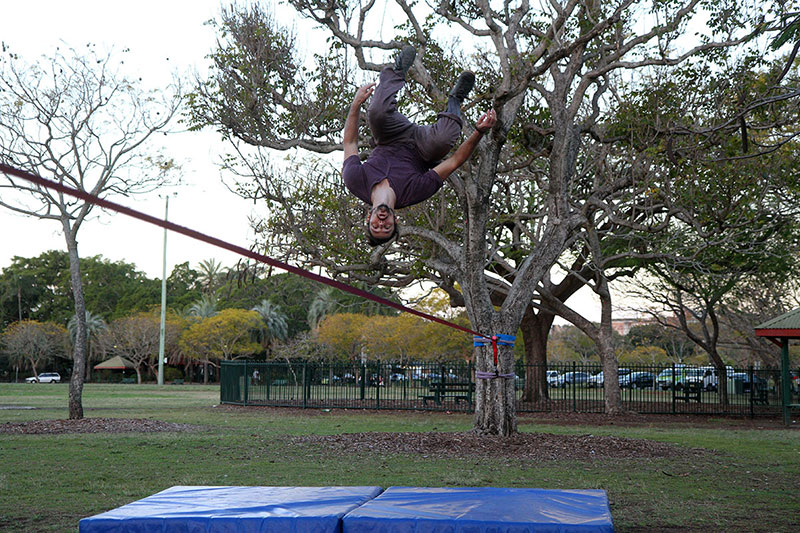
(568, 387)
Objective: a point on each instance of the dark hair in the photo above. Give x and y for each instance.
(375, 241)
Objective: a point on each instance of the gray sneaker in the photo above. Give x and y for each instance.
(404, 59)
(463, 86)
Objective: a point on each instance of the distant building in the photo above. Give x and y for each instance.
(623, 325)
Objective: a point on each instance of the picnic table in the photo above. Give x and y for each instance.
(691, 392)
(443, 390)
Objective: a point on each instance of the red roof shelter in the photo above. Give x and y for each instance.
(781, 330)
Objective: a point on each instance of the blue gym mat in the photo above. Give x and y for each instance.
(358, 510)
(481, 510)
(234, 509)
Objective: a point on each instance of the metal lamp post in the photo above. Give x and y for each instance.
(163, 330)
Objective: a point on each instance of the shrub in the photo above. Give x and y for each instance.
(171, 373)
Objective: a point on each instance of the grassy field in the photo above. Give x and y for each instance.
(749, 480)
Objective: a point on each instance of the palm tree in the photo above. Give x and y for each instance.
(210, 276)
(94, 326)
(275, 325)
(205, 307)
(323, 304)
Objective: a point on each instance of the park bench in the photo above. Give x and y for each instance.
(442, 390)
(178, 381)
(129, 380)
(691, 392)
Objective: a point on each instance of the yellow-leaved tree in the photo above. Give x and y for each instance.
(441, 343)
(344, 334)
(393, 337)
(227, 335)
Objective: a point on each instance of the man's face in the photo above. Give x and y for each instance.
(381, 221)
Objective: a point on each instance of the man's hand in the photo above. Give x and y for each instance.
(363, 93)
(350, 140)
(486, 122)
(463, 152)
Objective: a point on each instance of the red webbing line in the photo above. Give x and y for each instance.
(494, 349)
(43, 182)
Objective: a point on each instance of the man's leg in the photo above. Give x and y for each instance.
(434, 142)
(386, 123)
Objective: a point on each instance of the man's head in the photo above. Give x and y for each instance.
(381, 225)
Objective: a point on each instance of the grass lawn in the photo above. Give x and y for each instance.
(745, 479)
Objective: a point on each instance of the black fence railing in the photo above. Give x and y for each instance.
(570, 387)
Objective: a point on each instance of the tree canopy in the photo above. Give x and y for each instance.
(563, 168)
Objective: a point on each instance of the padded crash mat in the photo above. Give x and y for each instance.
(481, 510)
(234, 509)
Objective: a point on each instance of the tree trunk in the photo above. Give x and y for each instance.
(495, 406)
(89, 360)
(608, 356)
(79, 350)
(722, 378)
(535, 331)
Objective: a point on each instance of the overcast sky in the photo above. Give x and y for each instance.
(163, 37)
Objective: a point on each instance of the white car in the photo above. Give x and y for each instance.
(711, 376)
(45, 377)
(596, 380)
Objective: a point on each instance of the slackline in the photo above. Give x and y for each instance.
(107, 204)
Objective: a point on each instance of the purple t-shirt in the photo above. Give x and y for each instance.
(410, 178)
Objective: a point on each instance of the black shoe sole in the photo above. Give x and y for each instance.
(463, 86)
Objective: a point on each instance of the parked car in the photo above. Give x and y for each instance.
(569, 378)
(45, 377)
(744, 378)
(397, 377)
(710, 380)
(693, 377)
(638, 380)
(596, 380)
(435, 376)
(552, 378)
(666, 380)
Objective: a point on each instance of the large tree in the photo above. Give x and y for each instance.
(136, 338)
(733, 196)
(494, 233)
(32, 343)
(75, 119)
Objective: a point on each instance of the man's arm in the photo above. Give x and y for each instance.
(350, 134)
(463, 152)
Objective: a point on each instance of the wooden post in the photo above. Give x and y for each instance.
(786, 390)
